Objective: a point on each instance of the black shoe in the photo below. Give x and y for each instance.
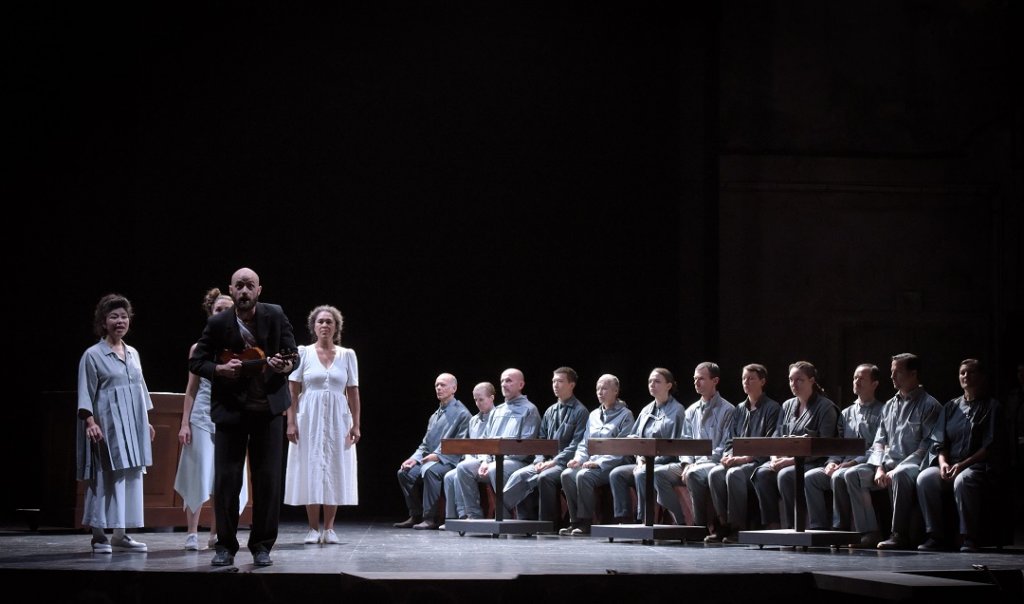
(930, 545)
(262, 558)
(968, 546)
(895, 541)
(409, 522)
(222, 558)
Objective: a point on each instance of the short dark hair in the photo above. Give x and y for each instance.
(759, 369)
(978, 365)
(876, 373)
(713, 369)
(911, 362)
(104, 307)
(570, 373)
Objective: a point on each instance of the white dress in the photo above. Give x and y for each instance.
(322, 466)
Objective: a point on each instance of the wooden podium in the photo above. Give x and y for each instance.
(649, 449)
(799, 448)
(499, 448)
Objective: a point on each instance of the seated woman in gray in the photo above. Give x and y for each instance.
(586, 472)
(661, 418)
(965, 461)
(808, 413)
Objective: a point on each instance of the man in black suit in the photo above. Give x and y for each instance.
(246, 355)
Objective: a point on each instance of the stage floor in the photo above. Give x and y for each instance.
(375, 551)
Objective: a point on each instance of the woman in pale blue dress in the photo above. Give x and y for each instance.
(114, 434)
(323, 426)
(194, 480)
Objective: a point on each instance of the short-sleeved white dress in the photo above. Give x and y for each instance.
(322, 465)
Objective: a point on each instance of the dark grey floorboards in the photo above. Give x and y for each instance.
(383, 564)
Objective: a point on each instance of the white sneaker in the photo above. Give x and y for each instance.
(127, 544)
(313, 536)
(192, 542)
(330, 537)
(441, 528)
(213, 540)
(101, 547)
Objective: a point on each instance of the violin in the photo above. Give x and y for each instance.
(253, 359)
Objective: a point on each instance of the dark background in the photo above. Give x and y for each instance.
(478, 187)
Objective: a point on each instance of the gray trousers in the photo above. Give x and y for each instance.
(666, 478)
(533, 494)
(620, 480)
(770, 486)
(467, 481)
(860, 480)
(421, 485)
(729, 488)
(967, 490)
(453, 504)
(816, 484)
(579, 485)
(698, 484)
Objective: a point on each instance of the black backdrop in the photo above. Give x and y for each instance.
(475, 188)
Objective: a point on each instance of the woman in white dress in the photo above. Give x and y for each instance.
(194, 480)
(323, 426)
(114, 433)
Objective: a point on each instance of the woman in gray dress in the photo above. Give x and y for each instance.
(114, 434)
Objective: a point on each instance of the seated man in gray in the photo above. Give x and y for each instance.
(905, 439)
(517, 417)
(421, 476)
(710, 417)
(859, 420)
(729, 481)
(533, 489)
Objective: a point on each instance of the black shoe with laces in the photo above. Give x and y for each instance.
(262, 558)
(222, 558)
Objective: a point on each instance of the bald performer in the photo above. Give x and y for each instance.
(248, 408)
(421, 477)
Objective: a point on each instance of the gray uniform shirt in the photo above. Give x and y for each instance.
(756, 423)
(909, 430)
(566, 422)
(612, 423)
(859, 421)
(969, 427)
(516, 418)
(449, 421)
(712, 420)
(665, 421)
(820, 418)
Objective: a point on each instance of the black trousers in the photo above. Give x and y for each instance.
(262, 436)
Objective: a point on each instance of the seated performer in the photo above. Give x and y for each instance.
(859, 420)
(586, 472)
(483, 396)
(661, 418)
(729, 480)
(517, 418)
(966, 463)
(422, 474)
(533, 489)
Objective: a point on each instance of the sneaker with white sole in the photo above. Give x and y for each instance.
(101, 547)
(192, 542)
(313, 536)
(212, 541)
(330, 537)
(127, 544)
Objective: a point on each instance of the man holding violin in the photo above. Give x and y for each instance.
(247, 403)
